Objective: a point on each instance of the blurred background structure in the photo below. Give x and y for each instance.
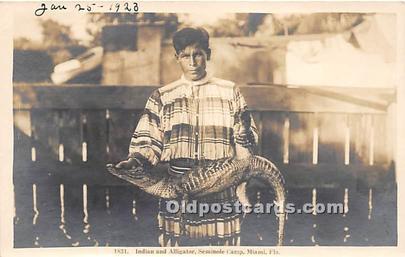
(321, 87)
(309, 49)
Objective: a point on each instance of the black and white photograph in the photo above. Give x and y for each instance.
(204, 132)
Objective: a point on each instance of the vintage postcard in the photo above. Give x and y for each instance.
(202, 128)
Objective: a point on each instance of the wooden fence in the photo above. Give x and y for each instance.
(319, 137)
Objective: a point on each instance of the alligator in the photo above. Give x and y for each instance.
(216, 177)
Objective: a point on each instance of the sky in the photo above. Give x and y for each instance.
(26, 24)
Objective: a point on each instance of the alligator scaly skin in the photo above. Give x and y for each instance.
(210, 179)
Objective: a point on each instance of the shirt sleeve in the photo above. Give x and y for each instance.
(147, 140)
(249, 136)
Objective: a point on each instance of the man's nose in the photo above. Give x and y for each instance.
(192, 60)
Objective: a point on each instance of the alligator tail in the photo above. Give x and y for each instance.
(262, 168)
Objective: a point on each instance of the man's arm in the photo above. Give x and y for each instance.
(248, 135)
(147, 140)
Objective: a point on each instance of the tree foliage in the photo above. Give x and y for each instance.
(238, 25)
(316, 23)
(261, 24)
(56, 34)
(57, 41)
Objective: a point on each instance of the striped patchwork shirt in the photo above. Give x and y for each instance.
(191, 120)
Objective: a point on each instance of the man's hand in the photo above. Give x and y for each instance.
(245, 118)
(127, 164)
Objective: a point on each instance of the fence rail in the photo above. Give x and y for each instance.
(318, 136)
(261, 97)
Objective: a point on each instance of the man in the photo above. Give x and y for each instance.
(190, 123)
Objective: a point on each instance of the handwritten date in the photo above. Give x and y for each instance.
(126, 7)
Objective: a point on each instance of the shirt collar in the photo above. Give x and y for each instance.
(199, 82)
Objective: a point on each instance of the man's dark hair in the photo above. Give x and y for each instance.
(191, 36)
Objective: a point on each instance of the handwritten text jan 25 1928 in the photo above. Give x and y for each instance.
(125, 7)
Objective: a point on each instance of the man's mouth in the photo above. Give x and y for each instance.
(195, 73)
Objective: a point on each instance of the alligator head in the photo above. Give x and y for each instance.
(136, 175)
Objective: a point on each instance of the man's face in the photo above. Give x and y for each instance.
(193, 62)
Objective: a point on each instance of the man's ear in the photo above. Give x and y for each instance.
(176, 56)
(208, 54)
